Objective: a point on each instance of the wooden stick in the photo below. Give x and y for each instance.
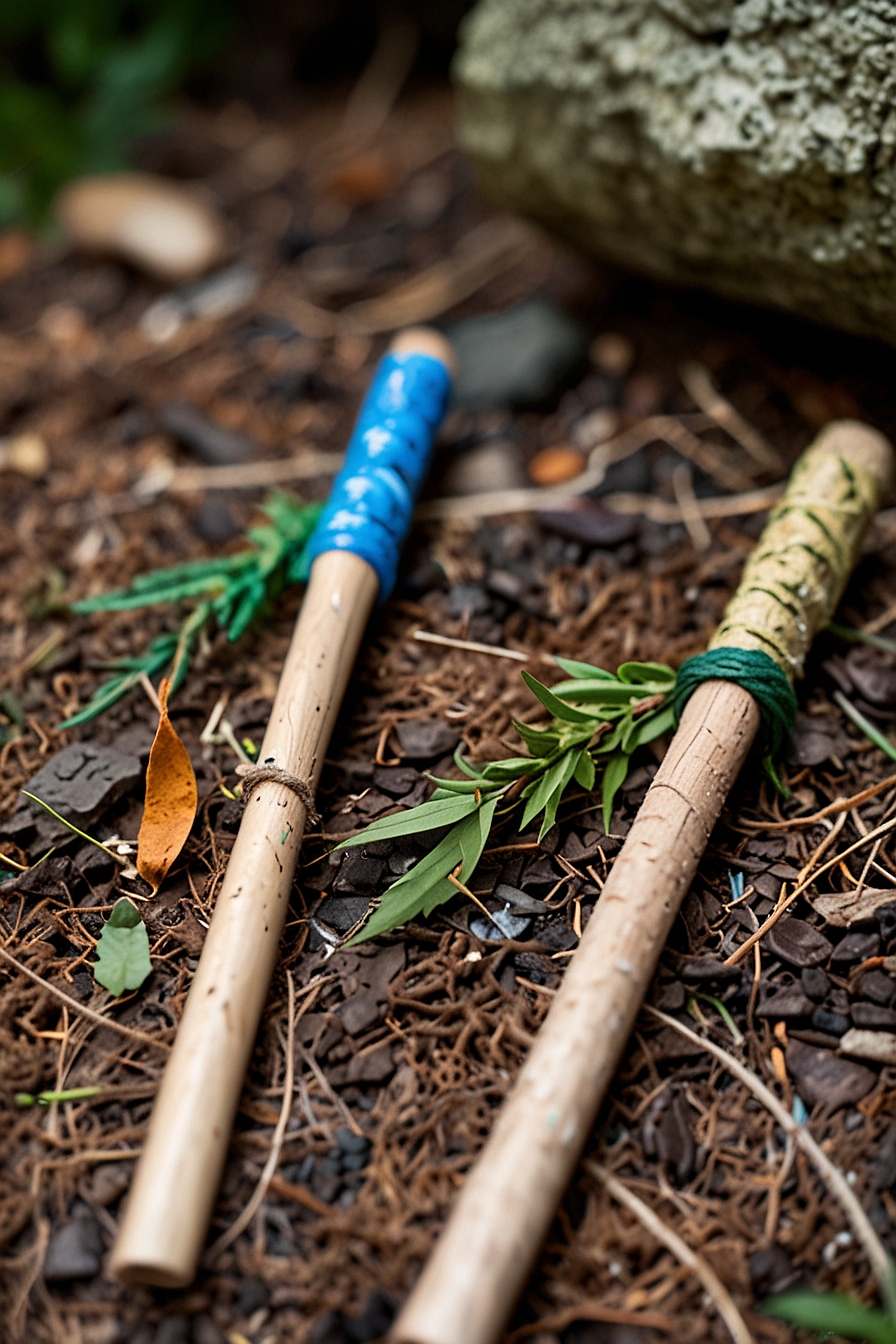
(468, 1288)
(174, 1188)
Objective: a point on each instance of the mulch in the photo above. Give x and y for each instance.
(412, 1043)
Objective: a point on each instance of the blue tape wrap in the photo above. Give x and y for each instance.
(370, 506)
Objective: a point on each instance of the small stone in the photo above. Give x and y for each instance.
(834, 1024)
(25, 453)
(211, 442)
(785, 1002)
(814, 982)
(341, 913)
(821, 1076)
(396, 781)
(426, 739)
(873, 675)
(612, 353)
(152, 223)
(814, 741)
(468, 599)
(855, 947)
(359, 873)
(876, 986)
(215, 522)
(501, 925)
(374, 1066)
(842, 909)
(214, 297)
(873, 1016)
(540, 970)
(519, 900)
(882, 1170)
(877, 1045)
(595, 428)
(81, 782)
(795, 941)
(350, 1142)
(75, 1250)
(110, 1180)
(555, 465)
(886, 921)
(589, 522)
(699, 970)
(253, 1293)
(671, 997)
(558, 936)
(524, 356)
(771, 1271)
(359, 1012)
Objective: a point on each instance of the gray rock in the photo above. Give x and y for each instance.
(81, 782)
(75, 1250)
(873, 1015)
(360, 1011)
(879, 1046)
(524, 356)
(855, 947)
(834, 1024)
(746, 147)
(821, 1076)
(814, 982)
(494, 465)
(584, 520)
(342, 913)
(425, 739)
(786, 1002)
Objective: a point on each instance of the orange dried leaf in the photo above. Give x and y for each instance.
(170, 804)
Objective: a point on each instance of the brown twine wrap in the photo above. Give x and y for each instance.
(254, 775)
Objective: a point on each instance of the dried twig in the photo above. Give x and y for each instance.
(470, 646)
(721, 1298)
(697, 380)
(832, 1176)
(838, 805)
(592, 1311)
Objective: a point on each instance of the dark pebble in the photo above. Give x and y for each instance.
(877, 986)
(821, 1076)
(797, 942)
(206, 1332)
(586, 521)
(360, 1011)
(519, 900)
(882, 1170)
(855, 947)
(350, 1142)
(524, 356)
(342, 913)
(886, 921)
(533, 966)
(468, 599)
(501, 925)
(426, 739)
(834, 1024)
(75, 1250)
(873, 675)
(252, 1293)
(359, 873)
(873, 1016)
(669, 998)
(787, 1001)
(771, 1271)
(211, 442)
(396, 781)
(355, 1161)
(558, 936)
(815, 741)
(214, 521)
(702, 970)
(814, 982)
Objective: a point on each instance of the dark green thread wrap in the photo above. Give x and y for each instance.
(757, 673)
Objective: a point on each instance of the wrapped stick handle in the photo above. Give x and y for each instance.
(480, 1264)
(355, 553)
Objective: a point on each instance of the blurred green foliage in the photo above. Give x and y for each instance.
(81, 79)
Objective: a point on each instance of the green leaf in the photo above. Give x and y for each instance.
(648, 727)
(550, 812)
(539, 792)
(641, 674)
(550, 702)
(123, 950)
(426, 885)
(604, 692)
(429, 816)
(540, 741)
(461, 786)
(512, 768)
(584, 771)
(469, 769)
(834, 1314)
(615, 772)
(583, 671)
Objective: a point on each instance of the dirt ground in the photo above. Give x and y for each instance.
(411, 1044)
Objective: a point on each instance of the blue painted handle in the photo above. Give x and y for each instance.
(370, 506)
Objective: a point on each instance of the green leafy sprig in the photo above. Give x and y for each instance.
(597, 721)
(232, 591)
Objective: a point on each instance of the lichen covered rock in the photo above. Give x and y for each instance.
(745, 146)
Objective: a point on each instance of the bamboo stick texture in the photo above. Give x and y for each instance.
(177, 1178)
(467, 1289)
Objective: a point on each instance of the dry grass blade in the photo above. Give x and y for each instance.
(832, 1176)
(721, 1298)
(591, 1311)
(81, 1009)
(302, 466)
(264, 1180)
(495, 503)
(699, 384)
(470, 646)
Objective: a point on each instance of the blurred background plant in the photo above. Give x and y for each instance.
(80, 80)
